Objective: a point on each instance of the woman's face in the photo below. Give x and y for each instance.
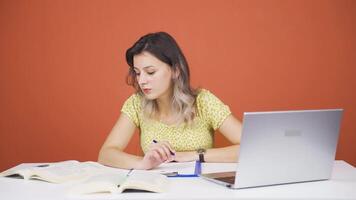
(153, 76)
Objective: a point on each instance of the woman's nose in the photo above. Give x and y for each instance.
(142, 79)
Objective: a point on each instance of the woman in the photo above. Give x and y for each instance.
(176, 123)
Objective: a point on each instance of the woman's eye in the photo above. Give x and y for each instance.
(137, 73)
(150, 73)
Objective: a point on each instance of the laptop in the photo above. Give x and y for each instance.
(284, 147)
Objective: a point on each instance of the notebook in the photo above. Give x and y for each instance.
(284, 147)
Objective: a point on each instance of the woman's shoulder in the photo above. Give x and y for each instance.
(204, 95)
(134, 100)
(206, 99)
(134, 97)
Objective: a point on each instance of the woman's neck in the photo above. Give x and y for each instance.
(164, 107)
(164, 104)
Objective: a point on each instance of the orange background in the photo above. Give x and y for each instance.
(62, 75)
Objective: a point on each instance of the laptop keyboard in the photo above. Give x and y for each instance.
(230, 179)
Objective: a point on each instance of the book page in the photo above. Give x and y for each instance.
(16, 171)
(145, 180)
(57, 172)
(26, 170)
(104, 182)
(63, 168)
(65, 171)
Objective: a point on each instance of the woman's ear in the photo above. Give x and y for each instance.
(176, 73)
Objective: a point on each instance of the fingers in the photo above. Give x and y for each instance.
(169, 147)
(158, 153)
(164, 150)
(156, 156)
(161, 151)
(151, 160)
(169, 151)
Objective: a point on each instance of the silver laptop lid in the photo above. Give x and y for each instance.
(287, 146)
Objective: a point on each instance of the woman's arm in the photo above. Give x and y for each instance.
(112, 154)
(231, 129)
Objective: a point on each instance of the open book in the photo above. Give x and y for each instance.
(90, 177)
(117, 183)
(58, 172)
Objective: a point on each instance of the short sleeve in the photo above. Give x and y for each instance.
(132, 107)
(212, 108)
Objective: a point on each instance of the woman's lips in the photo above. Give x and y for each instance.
(146, 91)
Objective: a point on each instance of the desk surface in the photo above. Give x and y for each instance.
(342, 185)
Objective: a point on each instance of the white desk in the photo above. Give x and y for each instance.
(342, 185)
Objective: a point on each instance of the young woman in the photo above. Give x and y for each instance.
(176, 122)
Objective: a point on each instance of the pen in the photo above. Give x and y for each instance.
(128, 173)
(173, 154)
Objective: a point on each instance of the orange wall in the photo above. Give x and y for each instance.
(62, 65)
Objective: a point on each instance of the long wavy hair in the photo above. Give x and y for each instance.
(165, 48)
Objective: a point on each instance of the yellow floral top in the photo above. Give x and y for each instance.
(211, 112)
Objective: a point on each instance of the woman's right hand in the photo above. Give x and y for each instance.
(158, 153)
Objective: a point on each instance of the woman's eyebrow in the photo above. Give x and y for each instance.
(144, 67)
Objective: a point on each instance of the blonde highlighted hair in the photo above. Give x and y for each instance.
(165, 48)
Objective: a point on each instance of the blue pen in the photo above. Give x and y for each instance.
(173, 154)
